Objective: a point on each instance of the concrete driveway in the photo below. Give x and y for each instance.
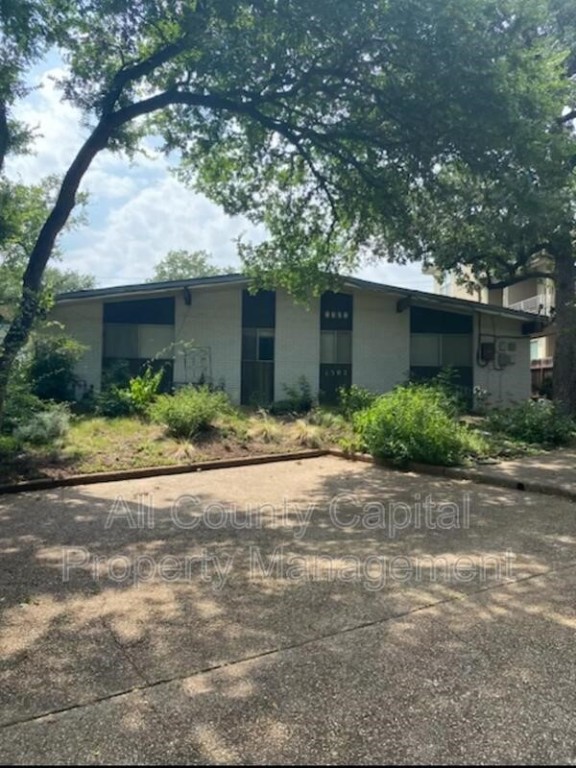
(317, 611)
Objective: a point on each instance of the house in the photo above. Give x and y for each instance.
(255, 345)
(535, 295)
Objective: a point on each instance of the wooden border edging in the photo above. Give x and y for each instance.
(450, 473)
(47, 483)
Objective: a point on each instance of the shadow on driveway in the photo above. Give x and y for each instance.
(287, 613)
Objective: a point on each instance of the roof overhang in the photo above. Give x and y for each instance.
(406, 296)
(147, 289)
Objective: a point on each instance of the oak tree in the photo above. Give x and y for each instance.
(320, 119)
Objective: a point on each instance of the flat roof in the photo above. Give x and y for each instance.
(421, 297)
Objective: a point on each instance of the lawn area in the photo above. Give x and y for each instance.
(418, 423)
(99, 444)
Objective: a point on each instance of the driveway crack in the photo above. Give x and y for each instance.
(150, 684)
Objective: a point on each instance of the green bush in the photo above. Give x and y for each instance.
(190, 410)
(116, 373)
(415, 422)
(281, 407)
(45, 427)
(87, 403)
(457, 398)
(51, 367)
(299, 398)
(20, 402)
(9, 446)
(537, 422)
(353, 399)
(135, 398)
(327, 419)
(143, 390)
(114, 402)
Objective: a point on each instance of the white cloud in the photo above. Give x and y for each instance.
(406, 276)
(161, 216)
(137, 211)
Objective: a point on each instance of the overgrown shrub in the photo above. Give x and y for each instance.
(299, 397)
(537, 422)
(45, 427)
(143, 390)
(353, 399)
(327, 419)
(9, 445)
(135, 398)
(20, 403)
(116, 373)
(113, 402)
(415, 422)
(87, 403)
(190, 410)
(266, 429)
(457, 398)
(306, 434)
(52, 367)
(281, 408)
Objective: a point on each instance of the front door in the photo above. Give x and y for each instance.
(258, 342)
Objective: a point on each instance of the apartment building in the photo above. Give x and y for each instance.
(533, 295)
(255, 345)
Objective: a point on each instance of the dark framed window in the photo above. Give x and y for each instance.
(258, 345)
(425, 320)
(336, 311)
(336, 347)
(259, 309)
(258, 322)
(140, 311)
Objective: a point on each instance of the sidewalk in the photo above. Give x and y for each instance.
(552, 472)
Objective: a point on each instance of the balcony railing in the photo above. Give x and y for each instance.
(543, 363)
(539, 305)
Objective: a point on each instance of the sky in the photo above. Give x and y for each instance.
(137, 211)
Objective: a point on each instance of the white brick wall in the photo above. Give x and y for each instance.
(213, 322)
(512, 384)
(380, 347)
(297, 351)
(380, 342)
(83, 321)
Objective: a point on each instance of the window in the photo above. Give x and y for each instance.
(265, 345)
(336, 348)
(120, 340)
(436, 350)
(259, 309)
(425, 350)
(140, 312)
(456, 350)
(258, 345)
(130, 341)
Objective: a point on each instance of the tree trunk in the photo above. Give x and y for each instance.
(4, 132)
(19, 330)
(564, 374)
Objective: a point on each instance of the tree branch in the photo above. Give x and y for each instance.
(217, 102)
(139, 70)
(568, 116)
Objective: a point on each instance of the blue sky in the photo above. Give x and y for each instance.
(137, 211)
